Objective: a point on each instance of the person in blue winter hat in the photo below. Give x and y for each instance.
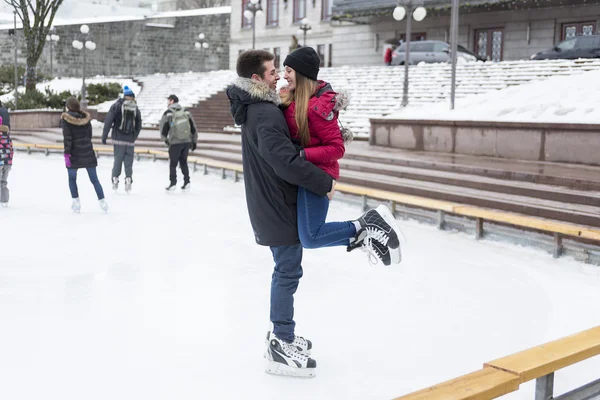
(125, 120)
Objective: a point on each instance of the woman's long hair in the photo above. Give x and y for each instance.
(305, 88)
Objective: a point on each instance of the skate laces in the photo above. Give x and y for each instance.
(377, 234)
(300, 341)
(368, 248)
(292, 351)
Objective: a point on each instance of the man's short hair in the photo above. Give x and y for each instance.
(174, 98)
(253, 62)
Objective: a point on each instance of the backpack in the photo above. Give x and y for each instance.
(128, 113)
(180, 125)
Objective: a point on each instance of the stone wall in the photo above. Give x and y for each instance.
(556, 142)
(134, 47)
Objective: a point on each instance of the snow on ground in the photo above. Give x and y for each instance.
(567, 99)
(73, 85)
(167, 296)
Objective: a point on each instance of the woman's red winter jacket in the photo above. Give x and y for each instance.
(326, 145)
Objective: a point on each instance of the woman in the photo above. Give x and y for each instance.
(6, 159)
(311, 109)
(79, 152)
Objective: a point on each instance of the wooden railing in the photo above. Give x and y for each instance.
(504, 375)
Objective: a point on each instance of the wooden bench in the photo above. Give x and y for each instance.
(540, 361)
(484, 384)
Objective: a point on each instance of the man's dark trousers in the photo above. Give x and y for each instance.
(178, 153)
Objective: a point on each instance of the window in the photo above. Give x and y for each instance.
(489, 44)
(567, 45)
(326, 10)
(414, 37)
(571, 30)
(277, 53)
(272, 12)
(246, 23)
(441, 47)
(330, 59)
(421, 47)
(299, 10)
(321, 53)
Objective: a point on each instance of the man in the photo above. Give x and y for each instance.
(178, 130)
(125, 119)
(273, 170)
(4, 115)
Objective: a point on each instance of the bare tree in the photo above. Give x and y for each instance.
(192, 4)
(37, 19)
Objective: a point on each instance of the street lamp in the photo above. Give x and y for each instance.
(418, 13)
(304, 28)
(252, 10)
(85, 43)
(52, 38)
(202, 44)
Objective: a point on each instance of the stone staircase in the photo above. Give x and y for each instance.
(212, 115)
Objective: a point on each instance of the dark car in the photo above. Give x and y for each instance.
(571, 49)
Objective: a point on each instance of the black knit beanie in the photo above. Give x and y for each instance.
(304, 61)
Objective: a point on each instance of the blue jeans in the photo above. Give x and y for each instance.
(314, 233)
(286, 276)
(93, 178)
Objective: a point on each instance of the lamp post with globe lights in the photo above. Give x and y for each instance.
(202, 44)
(418, 13)
(303, 29)
(52, 38)
(85, 43)
(252, 10)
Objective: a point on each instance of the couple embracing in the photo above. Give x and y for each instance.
(291, 144)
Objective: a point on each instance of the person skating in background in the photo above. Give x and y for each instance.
(178, 130)
(125, 120)
(311, 110)
(4, 115)
(6, 160)
(79, 151)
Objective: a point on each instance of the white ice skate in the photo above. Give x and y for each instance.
(103, 205)
(115, 183)
(4, 205)
(128, 184)
(304, 346)
(283, 358)
(76, 205)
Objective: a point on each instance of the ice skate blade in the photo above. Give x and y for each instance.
(275, 368)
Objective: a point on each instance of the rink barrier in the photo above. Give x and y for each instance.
(558, 228)
(504, 375)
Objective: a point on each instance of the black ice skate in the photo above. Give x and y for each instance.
(374, 249)
(283, 358)
(304, 346)
(186, 186)
(379, 235)
(171, 187)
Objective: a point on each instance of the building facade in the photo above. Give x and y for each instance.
(494, 29)
(161, 44)
(277, 29)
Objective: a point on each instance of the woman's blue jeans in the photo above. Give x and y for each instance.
(314, 233)
(93, 175)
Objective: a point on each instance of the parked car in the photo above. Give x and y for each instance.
(571, 49)
(430, 51)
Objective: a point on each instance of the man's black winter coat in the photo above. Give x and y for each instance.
(273, 168)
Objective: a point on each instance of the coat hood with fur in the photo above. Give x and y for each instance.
(246, 91)
(76, 118)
